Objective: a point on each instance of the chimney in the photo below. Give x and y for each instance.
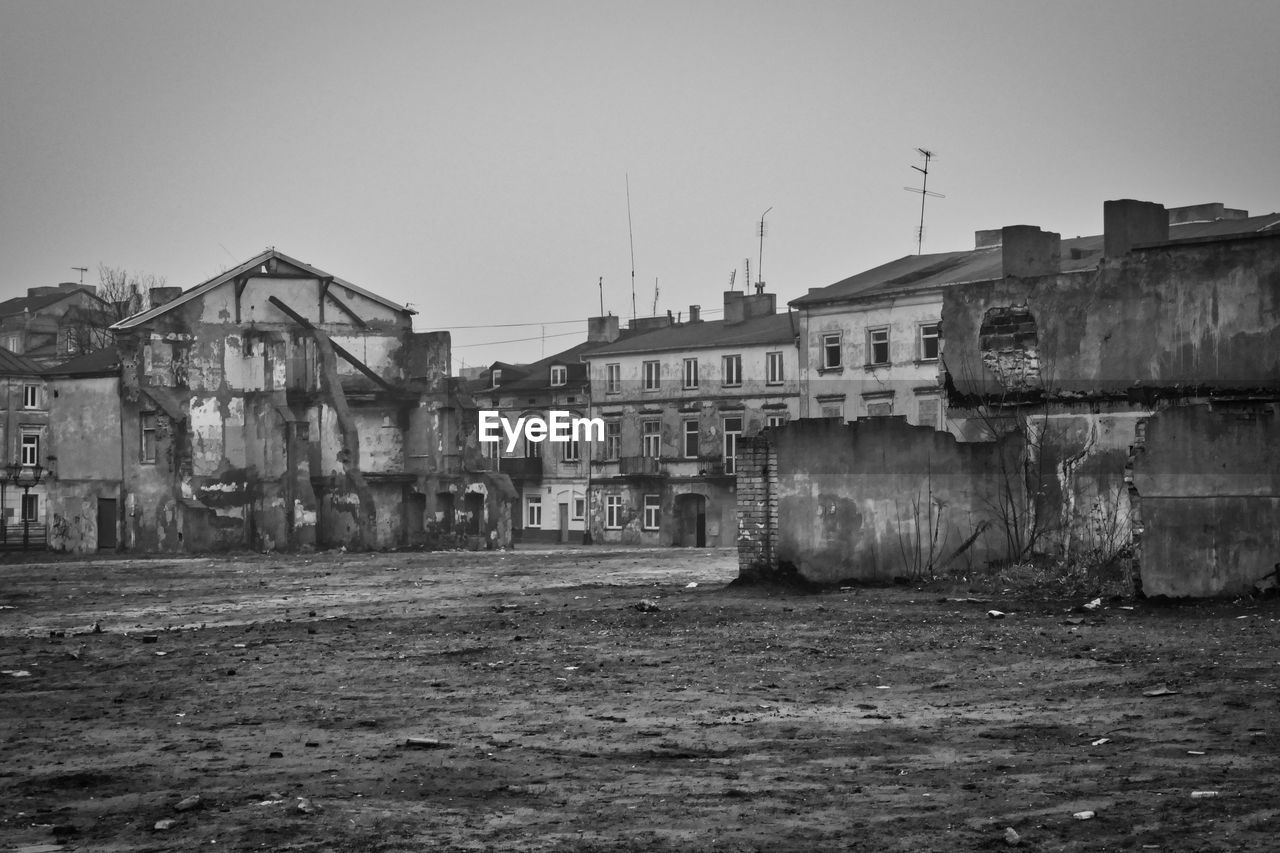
(1027, 251)
(695, 313)
(163, 295)
(602, 330)
(1204, 213)
(740, 307)
(988, 239)
(1126, 222)
(649, 324)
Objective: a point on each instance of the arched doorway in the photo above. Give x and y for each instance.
(691, 510)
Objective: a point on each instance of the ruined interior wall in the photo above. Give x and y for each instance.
(1186, 316)
(1207, 482)
(861, 501)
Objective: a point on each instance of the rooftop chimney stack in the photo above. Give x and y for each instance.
(1126, 223)
(740, 307)
(695, 313)
(602, 330)
(1028, 251)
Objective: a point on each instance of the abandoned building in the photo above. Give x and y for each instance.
(1123, 388)
(676, 398)
(273, 406)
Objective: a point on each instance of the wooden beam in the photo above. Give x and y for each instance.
(355, 318)
(351, 359)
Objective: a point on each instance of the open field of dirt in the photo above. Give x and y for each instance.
(595, 699)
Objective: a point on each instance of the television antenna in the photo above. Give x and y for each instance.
(760, 259)
(82, 271)
(924, 194)
(631, 241)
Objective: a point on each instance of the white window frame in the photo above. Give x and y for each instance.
(533, 511)
(652, 512)
(731, 371)
(832, 344)
(613, 512)
(690, 430)
(929, 332)
(30, 508)
(30, 396)
(872, 342)
(559, 375)
(775, 420)
(29, 446)
(570, 451)
(731, 437)
(652, 375)
(773, 368)
(612, 378)
(579, 511)
(651, 438)
(612, 439)
(690, 373)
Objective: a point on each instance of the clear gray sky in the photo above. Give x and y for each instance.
(472, 158)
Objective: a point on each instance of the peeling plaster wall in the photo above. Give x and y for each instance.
(1207, 483)
(851, 498)
(84, 435)
(1175, 317)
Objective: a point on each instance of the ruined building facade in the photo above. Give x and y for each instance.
(278, 406)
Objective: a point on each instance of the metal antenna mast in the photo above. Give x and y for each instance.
(631, 240)
(760, 259)
(600, 284)
(82, 271)
(924, 193)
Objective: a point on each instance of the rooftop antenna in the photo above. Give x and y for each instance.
(631, 240)
(746, 262)
(733, 274)
(655, 296)
(82, 271)
(600, 284)
(924, 193)
(760, 260)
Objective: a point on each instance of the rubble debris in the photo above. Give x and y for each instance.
(1011, 836)
(1085, 815)
(425, 743)
(1200, 795)
(996, 614)
(1159, 690)
(188, 803)
(647, 605)
(167, 823)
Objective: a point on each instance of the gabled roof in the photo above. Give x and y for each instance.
(923, 272)
(13, 364)
(709, 334)
(256, 261)
(32, 304)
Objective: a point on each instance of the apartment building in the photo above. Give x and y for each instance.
(675, 399)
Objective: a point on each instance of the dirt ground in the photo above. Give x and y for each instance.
(533, 701)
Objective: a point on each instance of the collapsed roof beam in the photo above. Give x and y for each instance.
(351, 359)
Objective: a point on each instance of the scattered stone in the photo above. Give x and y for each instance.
(647, 605)
(15, 673)
(1096, 604)
(1200, 795)
(1084, 815)
(167, 823)
(691, 585)
(1100, 741)
(1011, 837)
(187, 804)
(996, 614)
(306, 806)
(1159, 690)
(425, 743)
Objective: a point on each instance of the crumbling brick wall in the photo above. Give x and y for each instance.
(757, 507)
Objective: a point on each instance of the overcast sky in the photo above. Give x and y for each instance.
(472, 158)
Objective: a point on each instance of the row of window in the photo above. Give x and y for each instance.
(877, 343)
(928, 408)
(533, 510)
(650, 519)
(730, 373)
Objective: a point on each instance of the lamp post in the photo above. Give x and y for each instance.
(25, 477)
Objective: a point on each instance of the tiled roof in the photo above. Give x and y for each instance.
(922, 272)
(105, 360)
(13, 364)
(32, 304)
(709, 334)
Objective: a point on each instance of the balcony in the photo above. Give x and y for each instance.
(639, 466)
(521, 468)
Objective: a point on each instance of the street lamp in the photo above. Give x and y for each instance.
(25, 477)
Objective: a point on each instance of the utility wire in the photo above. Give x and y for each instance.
(705, 312)
(514, 340)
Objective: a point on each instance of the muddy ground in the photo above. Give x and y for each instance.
(522, 701)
